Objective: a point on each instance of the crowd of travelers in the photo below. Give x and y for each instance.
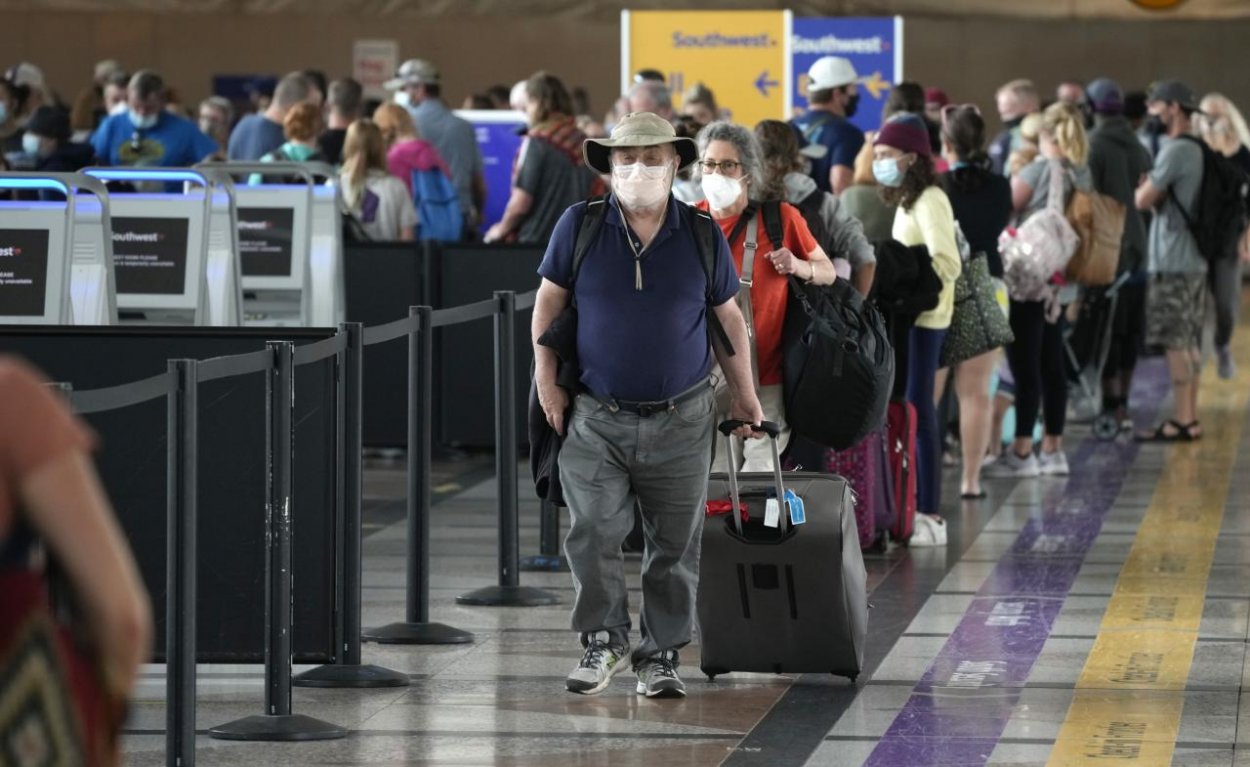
(931, 179)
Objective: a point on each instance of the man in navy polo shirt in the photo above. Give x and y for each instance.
(642, 421)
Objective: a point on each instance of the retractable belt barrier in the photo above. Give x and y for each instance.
(278, 361)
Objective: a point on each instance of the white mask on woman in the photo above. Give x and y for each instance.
(641, 187)
(721, 191)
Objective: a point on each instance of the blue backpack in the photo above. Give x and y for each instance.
(438, 207)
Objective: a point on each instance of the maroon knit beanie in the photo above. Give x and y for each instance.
(906, 133)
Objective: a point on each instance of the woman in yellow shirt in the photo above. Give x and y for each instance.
(903, 164)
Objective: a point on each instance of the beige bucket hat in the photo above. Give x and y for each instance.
(638, 129)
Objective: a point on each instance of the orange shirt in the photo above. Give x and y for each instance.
(769, 290)
(35, 427)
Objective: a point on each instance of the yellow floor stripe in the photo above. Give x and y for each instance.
(1130, 696)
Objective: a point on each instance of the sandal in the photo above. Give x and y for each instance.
(973, 496)
(1184, 433)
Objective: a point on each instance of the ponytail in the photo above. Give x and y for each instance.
(1064, 124)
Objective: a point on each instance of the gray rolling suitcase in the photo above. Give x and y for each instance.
(784, 599)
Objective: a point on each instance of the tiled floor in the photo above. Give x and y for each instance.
(999, 649)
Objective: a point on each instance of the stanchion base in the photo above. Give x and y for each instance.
(416, 633)
(508, 596)
(286, 727)
(351, 675)
(544, 563)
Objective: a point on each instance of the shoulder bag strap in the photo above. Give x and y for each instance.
(1054, 198)
(749, 246)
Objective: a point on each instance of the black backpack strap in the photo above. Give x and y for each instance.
(587, 233)
(1189, 220)
(705, 233)
(772, 224)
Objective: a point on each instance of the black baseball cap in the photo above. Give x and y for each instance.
(1174, 91)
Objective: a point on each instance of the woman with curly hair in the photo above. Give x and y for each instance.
(903, 165)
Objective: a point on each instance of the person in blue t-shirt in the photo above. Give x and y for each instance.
(145, 134)
(833, 93)
(642, 412)
(258, 134)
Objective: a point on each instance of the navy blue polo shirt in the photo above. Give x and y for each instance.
(640, 345)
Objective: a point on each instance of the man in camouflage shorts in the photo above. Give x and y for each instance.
(1176, 296)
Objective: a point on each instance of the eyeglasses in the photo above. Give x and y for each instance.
(726, 167)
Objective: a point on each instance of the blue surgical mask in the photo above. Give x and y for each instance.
(887, 172)
(143, 122)
(30, 144)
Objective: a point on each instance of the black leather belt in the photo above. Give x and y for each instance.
(647, 409)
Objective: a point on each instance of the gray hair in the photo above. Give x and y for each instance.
(292, 89)
(657, 92)
(221, 104)
(744, 141)
(145, 83)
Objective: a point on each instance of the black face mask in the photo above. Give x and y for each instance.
(852, 104)
(1013, 123)
(1155, 126)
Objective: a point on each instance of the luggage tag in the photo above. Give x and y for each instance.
(772, 513)
(798, 514)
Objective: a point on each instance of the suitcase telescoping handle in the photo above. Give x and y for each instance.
(773, 431)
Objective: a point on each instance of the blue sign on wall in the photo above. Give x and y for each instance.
(873, 45)
(498, 139)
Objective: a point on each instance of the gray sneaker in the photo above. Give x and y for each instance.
(657, 677)
(1228, 368)
(1012, 465)
(1052, 464)
(599, 664)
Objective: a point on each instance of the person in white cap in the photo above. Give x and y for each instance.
(642, 409)
(418, 87)
(833, 95)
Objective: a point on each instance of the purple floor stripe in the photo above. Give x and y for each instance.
(965, 699)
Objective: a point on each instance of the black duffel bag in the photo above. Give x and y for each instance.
(838, 364)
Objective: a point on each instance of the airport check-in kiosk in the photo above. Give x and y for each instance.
(290, 243)
(160, 245)
(56, 257)
(225, 291)
(275, 231)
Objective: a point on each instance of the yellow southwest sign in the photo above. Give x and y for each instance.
(742, 56)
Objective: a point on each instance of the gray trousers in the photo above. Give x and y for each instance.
(608, 460)
(1224, 276)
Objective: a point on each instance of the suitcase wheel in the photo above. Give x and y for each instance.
(712, 673)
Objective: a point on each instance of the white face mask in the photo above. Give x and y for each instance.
(641, 187)
(721, 191)
(403, 98)
(119, 108)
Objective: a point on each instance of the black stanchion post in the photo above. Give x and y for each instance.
(278, 723)
(549, 558)
(416, 628)
(509, 592)
(180, 564)
(349, 671)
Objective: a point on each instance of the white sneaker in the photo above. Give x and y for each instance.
(1012, 465)
(930, 531)
(1052, 464)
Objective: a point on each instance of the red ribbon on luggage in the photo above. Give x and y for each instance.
(724, 506)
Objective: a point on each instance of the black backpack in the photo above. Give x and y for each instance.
(837, 362)
(1220, 217)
